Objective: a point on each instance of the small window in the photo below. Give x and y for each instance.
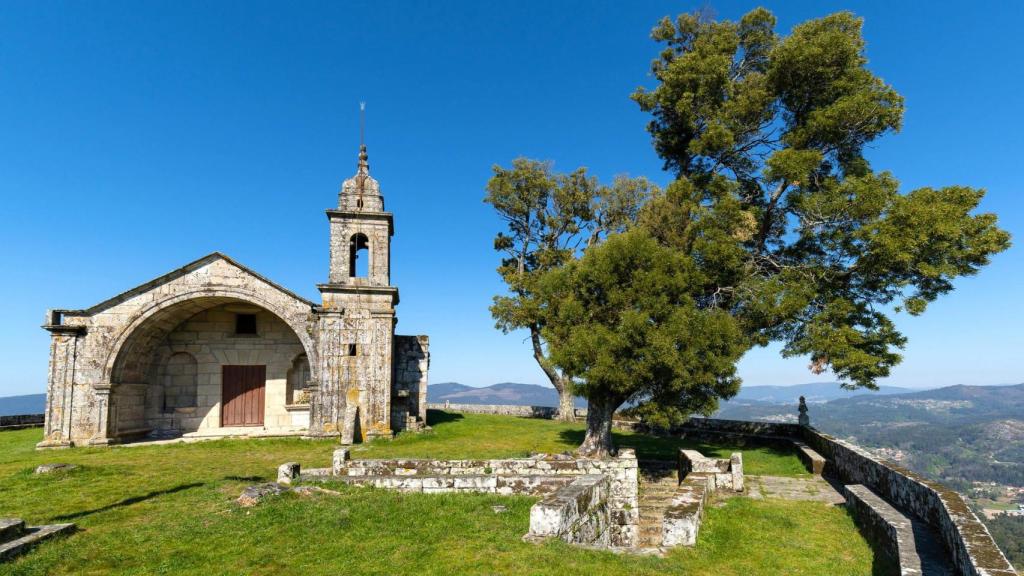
(245, 324)
(352, 351)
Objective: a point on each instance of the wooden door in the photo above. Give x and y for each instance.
(242, 395)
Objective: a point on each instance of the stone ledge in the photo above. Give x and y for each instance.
(888, 527)
(30, 537)
(577, 513)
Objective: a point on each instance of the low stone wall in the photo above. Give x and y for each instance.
(21, 421)
(966, 539)
(578, 513)
(725, 473)
(537, 475)
(503, 409)
(887, 527)
(686, 511)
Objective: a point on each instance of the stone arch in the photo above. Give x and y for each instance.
(359, 248)
(138, 339)
(298, 379)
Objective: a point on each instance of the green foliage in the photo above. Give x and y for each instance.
(170, 510)
(550, 217)
(624, 321)
(1008, 532)
(776, 206)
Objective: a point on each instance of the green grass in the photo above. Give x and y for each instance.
(170, 510)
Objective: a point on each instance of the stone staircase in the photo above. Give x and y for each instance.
(658, 486)
(16, 538)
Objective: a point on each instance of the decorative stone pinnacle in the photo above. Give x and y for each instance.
(364, 165)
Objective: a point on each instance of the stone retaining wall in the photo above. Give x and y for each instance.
(21, 421)
(966, 539)
(534, 475)
(502, 409)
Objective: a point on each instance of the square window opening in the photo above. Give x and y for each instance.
(245, 324)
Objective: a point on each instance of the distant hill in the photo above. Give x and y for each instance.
(955, 434)
(28, 404)
(504, 393)
(816, 392)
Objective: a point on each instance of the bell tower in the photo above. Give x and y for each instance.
(357, 317)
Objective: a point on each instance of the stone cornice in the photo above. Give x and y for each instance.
(333, 213)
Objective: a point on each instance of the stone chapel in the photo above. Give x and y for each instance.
(215, 349)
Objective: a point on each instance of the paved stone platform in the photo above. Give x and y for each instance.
(813, 488)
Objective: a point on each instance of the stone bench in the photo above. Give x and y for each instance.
(814, 462)
(725, 473)
(886, 526)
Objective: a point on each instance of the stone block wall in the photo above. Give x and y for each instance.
(887, 527)
(409, 384)
(521, 478)
(22, 421)
(965, 538)
(208, 339)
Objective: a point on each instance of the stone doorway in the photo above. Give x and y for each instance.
(243, 392)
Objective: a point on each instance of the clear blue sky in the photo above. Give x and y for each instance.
(138, 136)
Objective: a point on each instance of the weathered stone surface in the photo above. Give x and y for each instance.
(55, 467)
(889, 529)
(577, 514)
(253, 495)
(973, 551)
(814, 462)
(288, 473)
(683, 516)
(724, 473)
(16, 538)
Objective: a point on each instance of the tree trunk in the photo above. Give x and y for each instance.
(566, 404)
(598, 441)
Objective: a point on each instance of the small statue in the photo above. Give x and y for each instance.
(804, 419)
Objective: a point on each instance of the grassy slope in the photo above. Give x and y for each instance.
(170, 510)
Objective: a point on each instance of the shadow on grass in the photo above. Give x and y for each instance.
(129, 501)
(435, 417)
(246, 478)
(666, 448)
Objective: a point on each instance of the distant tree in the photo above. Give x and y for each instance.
(776, 228)
(551, 218)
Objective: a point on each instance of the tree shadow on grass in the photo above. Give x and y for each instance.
(128, 501)
(246, 478)
(666, 448)
(435, 417)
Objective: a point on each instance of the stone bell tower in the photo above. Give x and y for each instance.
(357, 318)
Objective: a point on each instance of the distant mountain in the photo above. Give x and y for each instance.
(28, 404)
(816, 392)
(504, 393)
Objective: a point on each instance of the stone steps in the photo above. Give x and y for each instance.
(658, 488)
(16, 538)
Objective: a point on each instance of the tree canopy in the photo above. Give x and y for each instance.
(775, 228)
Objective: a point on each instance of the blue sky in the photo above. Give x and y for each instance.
(138, 136)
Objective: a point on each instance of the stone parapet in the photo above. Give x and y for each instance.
(966, 540)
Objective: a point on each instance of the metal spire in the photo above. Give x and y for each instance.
(364, 166)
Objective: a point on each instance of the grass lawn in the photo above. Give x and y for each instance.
(170, 510)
